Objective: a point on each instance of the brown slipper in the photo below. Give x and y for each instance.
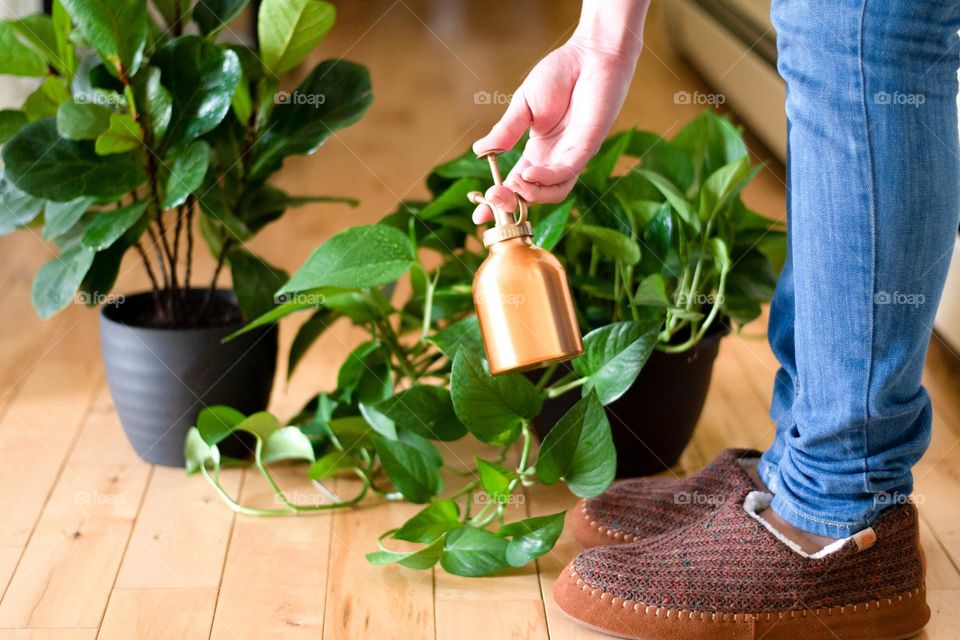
(643, 507)
(729, 577)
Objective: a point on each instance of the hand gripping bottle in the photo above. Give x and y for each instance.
(523, 301)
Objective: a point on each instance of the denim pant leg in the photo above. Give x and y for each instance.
(874, 202)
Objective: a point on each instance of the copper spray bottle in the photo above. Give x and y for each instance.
(523, 301)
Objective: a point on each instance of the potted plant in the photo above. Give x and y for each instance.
(420, 379)
(142, 134)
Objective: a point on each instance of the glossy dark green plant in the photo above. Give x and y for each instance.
(137, 131)
(657, 253)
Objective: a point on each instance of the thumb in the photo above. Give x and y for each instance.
(515, 121)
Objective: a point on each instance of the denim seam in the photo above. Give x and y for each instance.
(786, 503)
(873, 241)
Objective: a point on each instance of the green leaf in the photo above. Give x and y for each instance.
(330, 465)
(187, 170)
(549, 231)
(65, 52)
(722, 185)
(260, 424)
(676, 199)
(308, 333)
(611, 243)
(287, 443)
(216, 422)
(197, 453)
(107, 226)
(652, 291)
(45, 165)
(154, 101)
(473, 552)
(462, 334)
(364, 256)
(614, 355)
(174, 11)
(430, 523)
(117, 29)
(425, 410)
(288, 30)
(37, 31)
(297, 127)
(359, 360)
(711, 141)
(493, 408)
(598, 170)
(201, 78)
(455, 197)
(412, 472)
(421, 559)
(531, 538)
(82, 121)
(213, 15)
(579, 449)
(254, 282)
(495, 480)
(59, 217)
(11, 121)
(123, 134)
(44, 102)
(57, 281)
(16, 207)
(18, 59)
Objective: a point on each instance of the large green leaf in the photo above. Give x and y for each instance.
(57, 281)
(301, 126)
(307, 334)
(495, 480)
(289, 29)
(18, 59)
(455, 197)
(473, 552)
(187, 170)
(531, 538)
(117, 29)
(216, 422)
(123, 134)
(286, 443)
(724, 184)
(197, 453)
(425, 410)
(11, 121)
(260, 424)
(44, 102)
(549, 231)
(493, 408)
(610, 242)
(421, 559)
(579, 450)
(364, 256)
(107, 226)
(43, 164)
(613, 356)
(16, 207)
(59, 217)
(254, 282)
(430, 523)
(213, 15)
(82, 120)
(154, 101)
(201, 78)
(462, 334)
(413, 472)
(676, 199)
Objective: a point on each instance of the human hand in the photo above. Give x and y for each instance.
(569, 101)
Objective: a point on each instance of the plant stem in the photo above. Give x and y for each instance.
(553, 392)
(545, 378)
(191, 205)
(154, 285)
(216, 276)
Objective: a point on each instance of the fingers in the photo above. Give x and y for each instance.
(542, 193)
(548, 175)
(502, 196)
(515, 121)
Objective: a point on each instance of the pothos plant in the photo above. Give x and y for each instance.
(145, 123)
(657, 254)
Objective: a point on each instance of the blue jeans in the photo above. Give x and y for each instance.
(873, 203)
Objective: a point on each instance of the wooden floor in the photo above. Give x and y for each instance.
(95, 543)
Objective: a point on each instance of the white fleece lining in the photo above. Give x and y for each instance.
(757, 501)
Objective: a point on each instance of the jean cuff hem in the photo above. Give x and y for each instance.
(810, 523)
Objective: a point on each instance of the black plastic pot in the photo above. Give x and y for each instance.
(653, 422)
(161, 378)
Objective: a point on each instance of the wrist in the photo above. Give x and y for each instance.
(612, 27)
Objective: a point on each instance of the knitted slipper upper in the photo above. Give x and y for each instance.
(728, 562)
(644, 507)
